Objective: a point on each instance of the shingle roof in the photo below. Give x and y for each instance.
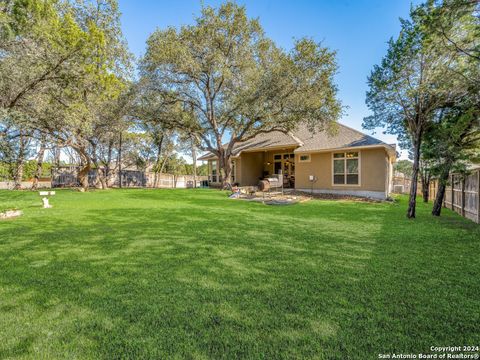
(268, 140)
(344, 137)
(305, 140)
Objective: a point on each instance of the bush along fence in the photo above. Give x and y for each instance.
(462, 194)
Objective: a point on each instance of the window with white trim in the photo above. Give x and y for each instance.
(304, 158)
(346, 168)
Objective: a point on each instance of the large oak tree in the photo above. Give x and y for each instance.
(64, 73)
(234, 83)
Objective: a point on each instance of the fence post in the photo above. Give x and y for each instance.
(463, 196)
(453, 192)
(444, 197)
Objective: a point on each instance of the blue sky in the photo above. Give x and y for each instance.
(357, 29)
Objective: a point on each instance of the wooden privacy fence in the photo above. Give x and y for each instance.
(67, 176)
(462, 194)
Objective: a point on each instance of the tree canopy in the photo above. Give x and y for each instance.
(64, 73)
(419, 76)
(226, 82)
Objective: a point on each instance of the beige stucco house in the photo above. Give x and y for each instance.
(346, 162)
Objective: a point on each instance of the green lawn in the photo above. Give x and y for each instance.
(192, 274)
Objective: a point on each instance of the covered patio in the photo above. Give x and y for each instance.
(249, 167)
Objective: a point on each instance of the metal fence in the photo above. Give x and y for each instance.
(67, 176)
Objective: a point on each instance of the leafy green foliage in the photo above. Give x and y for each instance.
(30, 167)
(454, 141)
(222, 78)
(404, 166)
(176, 165)
(419, 77)
(202, 170)
(64, 74)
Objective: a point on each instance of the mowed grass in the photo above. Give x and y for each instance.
(160, 274)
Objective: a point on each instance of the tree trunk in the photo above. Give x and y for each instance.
(107, 164)
(119, 160)
(157, 163)
(19, 165)
(162, 167)
(194, 158)
(425, 193)
(103, 179)
(164, 161)
(85, 167)
(83, 175)
(425, 187)
(225, 170)
(412, 201)
(100, 180)
(442, 183)
(437, 205)
(38, 172)
(100, 175)
(56, 158)
(18, 174)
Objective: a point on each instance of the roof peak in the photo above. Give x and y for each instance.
(361, 133)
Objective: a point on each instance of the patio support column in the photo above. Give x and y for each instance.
(209, 170)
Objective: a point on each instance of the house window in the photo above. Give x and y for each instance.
(214, 171)
(346, 169)
(304, 158)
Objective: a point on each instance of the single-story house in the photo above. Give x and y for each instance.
(347, 162)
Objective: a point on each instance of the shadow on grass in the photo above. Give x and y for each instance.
(419, 287)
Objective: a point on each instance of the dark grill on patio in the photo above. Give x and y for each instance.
(270, 183)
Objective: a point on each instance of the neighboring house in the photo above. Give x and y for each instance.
(347, 162)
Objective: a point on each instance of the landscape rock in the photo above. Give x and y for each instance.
(10, 214)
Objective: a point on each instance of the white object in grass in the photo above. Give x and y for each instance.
(10, 214)
(45, 194)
